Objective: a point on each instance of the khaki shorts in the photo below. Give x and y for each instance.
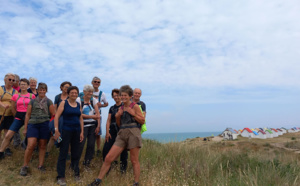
(129, 138)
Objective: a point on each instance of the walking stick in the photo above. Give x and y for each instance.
(2, 116)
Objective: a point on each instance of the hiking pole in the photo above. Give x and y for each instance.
(2, 116)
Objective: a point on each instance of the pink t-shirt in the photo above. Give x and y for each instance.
(20, 103)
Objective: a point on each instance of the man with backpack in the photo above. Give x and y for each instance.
(102, 102)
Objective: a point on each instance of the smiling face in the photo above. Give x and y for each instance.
(96, 83)
(116, 97)
(137, 94)
(42, 92)
(23, 85)
(32, 84)
(73, 94)
(88, 93)
(9, 80)
(64, 89)
(125, 97)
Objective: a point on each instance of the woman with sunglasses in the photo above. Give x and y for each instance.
(6, 114)
(19, 107)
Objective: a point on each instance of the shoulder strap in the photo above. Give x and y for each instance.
(132, 104)
(100, 94)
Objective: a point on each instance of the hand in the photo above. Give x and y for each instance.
(6, 106)
(97, 130)
(131, 111)
(99, 104)
(95, 117)
(119, 113)
(81, 136)
(107, 137)
(57, 134)
(24, 131)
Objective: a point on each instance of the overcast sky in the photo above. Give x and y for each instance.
(202, 65)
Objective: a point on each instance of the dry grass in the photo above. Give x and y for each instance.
(192, 162)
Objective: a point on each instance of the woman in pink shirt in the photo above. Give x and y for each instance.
(19, 107)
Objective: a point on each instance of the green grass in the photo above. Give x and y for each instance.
(216, 163)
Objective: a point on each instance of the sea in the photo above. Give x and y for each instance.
(177, 137)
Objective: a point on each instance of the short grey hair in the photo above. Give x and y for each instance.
(88, 88)
(32, 79)
(8, 74)
(96, 78)
(17, 77)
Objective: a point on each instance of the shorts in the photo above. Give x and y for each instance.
(6, 123)
(129, 138)
(16, 125)
(100, 131)
(39, 130)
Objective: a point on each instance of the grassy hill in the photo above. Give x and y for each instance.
(192, 162)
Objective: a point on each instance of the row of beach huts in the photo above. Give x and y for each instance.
(261, 133)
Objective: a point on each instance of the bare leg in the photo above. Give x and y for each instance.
(114, 152)
(42, 151)
(28, 152)
(6, 140)
(134, 157)
(98, 140)
(50, 144)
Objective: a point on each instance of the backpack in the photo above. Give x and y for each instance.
(4, 89)
(30, 97)
(143, 126)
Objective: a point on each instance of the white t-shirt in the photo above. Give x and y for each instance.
(88, 110)
(102, 99)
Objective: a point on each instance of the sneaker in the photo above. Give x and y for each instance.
(24, 171)
(61, 181)
(2, 155)
(42, 168)
(135, 184)
(8, 152)
(96, 182)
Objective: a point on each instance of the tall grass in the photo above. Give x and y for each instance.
(215, 163)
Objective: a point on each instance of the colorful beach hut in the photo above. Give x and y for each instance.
(229, 134)
(269, 133)
(262, 134)
(275, 132)
(247, 133)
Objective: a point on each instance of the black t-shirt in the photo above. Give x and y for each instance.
(143, 105)
(113, 129)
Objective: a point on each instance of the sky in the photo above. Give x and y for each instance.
(202, 65)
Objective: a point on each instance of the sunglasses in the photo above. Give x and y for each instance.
(11, 80)
(96, 81)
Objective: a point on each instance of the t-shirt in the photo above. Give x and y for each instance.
(102, 99)
(23, 101)
(38, 115)
(6, 99)
(143, 105)
(113, 128)
(30, 91)
(58, 100)
(88, 110)
(17, 88)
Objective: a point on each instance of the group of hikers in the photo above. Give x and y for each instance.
(71, 121)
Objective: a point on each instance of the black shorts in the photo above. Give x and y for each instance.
(6, 123)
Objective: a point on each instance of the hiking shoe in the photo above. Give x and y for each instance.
(96, 182)
(2, 155)
(136, 184)
(61, 182)
(24, 171)
(8, 152)
(42, 168)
